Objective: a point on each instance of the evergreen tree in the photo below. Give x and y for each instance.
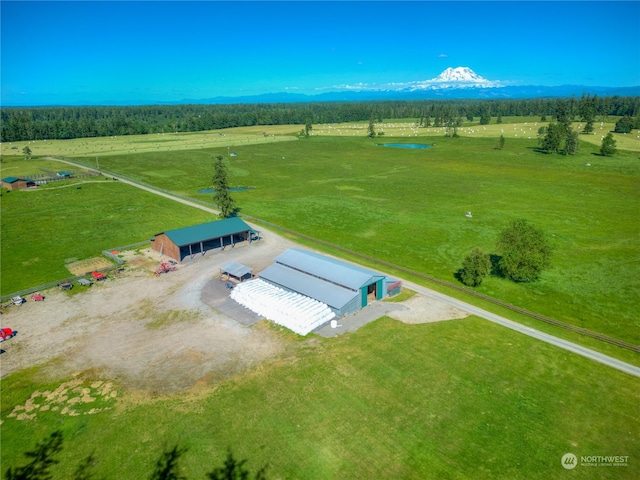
(552, 139)
(167, 465)
(485, 117)
(571, 142)
(624, 125)
(221, 196)
(27, 152)
(608, 147)
(234, 469)
(371, 129)
(42, 459)
(587, 112)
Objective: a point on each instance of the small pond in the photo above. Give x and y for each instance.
(419, 146)
(232, 189)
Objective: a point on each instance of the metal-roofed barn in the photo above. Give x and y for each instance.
(17, 183)
(198, 239)
(343, 287)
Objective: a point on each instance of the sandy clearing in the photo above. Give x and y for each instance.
(162, 333)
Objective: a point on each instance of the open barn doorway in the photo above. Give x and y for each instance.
(372, 292)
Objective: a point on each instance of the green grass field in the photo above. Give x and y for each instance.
(458, 399)
(407, 207)
(69, 220)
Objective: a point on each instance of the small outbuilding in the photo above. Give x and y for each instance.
(198, 239)
(236, 272)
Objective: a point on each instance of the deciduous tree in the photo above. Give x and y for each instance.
(475, 268)
(526, 252)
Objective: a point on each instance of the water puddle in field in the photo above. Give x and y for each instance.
(419, 146)
(232, 189)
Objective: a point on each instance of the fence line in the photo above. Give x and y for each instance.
(107, 253)
(459, 288)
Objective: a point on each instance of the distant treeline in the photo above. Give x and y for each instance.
(41, 123)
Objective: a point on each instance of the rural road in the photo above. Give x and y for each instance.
(471, 309)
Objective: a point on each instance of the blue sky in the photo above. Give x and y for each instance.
(70, 52)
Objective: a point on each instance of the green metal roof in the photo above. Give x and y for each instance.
(207, 231)
(15, 179)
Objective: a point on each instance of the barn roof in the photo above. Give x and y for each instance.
(333, 295)
(207, 231)
(15, 179)
(327, 268)
(236, 269)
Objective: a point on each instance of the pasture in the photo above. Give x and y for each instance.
(45, 229)
(407, 207)
(161, 142)
(456, 399)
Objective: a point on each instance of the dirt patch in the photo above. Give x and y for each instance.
(69, 398)
(422, 309)
(143, 332)
(83, 267)
(159, 334)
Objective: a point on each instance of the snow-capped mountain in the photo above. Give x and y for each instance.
(461, 74)
(459, 77)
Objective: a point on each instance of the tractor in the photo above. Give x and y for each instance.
(6, 334)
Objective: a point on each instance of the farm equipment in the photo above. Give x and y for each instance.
(18, 300)
(165, 267)
(6, 334)
(98, 276)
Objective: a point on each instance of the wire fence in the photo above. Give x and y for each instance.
(110, 253)
(459, 288)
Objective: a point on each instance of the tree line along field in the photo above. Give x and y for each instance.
(446, 400)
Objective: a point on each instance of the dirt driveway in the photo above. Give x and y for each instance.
(158, 333)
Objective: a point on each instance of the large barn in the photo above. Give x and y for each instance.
(198, 239)
(302, 290)
(16, 183)
(344, 287)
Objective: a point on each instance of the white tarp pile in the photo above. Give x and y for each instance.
(291, 310)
